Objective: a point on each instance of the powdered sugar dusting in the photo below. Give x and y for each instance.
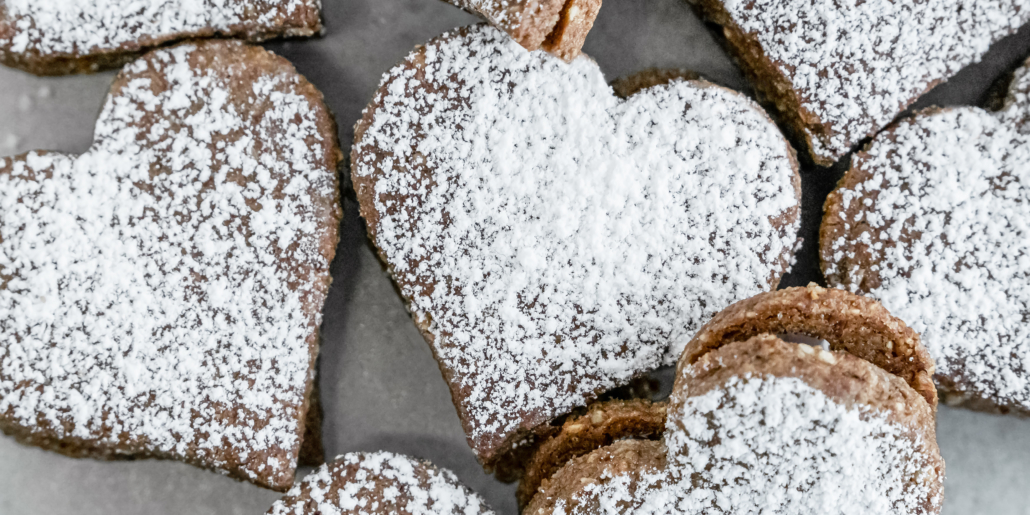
(762, 444)
(91, 26)
(856, 64)
(508, 15)
(157, 292)
(947, 216)
(555, 239)
(380, 483)
(1015, 112)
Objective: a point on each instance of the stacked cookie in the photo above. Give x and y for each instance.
(161, 294)
(933, 218)
(754, 424)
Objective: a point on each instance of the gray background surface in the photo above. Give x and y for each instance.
(381, 388)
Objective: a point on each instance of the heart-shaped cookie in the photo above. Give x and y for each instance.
(56, 37)
(839, 72)
(160, 294)
(933, 219)
(380, 483)
(553, 240)
(759, 425)
(556, 26)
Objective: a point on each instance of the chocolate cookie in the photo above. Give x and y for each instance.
(49, 37)
(556, 26)
(932, 220)
(857, 325)
(161, 294)
(380, 483)
(839, 72)
(760, 425)
(603, 424)
(553, 240)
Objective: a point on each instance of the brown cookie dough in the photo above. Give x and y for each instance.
(931, 220)
(191, 245)
(569, 487)
(380, 483)
(481, 181)
(858, 325)
(766, 424)
(57, 38)
(603, 424)
(556, 26)
(630, 85)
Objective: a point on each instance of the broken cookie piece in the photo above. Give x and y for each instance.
(557, 26)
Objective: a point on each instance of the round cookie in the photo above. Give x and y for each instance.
(554, 241)
(759, 425)
(161, 293)
(380, 483)
(932, 220)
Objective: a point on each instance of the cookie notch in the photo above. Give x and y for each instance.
(495, 419)
(169, 389)
(930, 220)
(49, 38)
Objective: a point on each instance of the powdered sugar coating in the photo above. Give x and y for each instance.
(554, 240)
(505, 14)
(763, 444)
(1015, 112)
(380, 483)
(85, 27)
(160, 294)
(936, 224)
(856, 64)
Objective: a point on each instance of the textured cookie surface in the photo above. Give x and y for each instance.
(603, 424)
(557, 26)
(841, 70)
(934, 221)
(765, 426)
(554, 240)
(50, 37)
(380, 483)
(858, 325)
(160, 295)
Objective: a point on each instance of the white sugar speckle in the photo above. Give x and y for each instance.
(856, 64)
(380, 483)
(556, 239)
(91, 26)
(776, 446)
(505, 14)
(950, 208)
